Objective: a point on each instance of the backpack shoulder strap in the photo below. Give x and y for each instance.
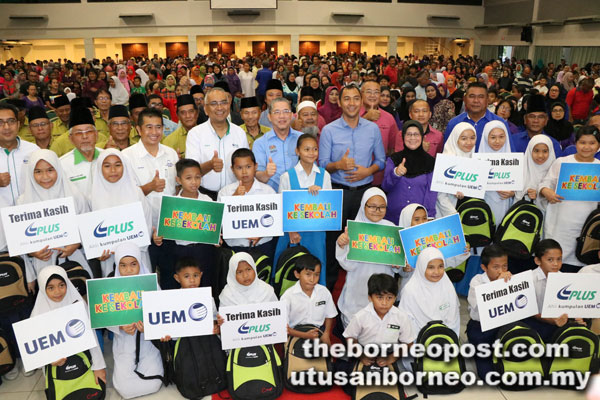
(137, 361)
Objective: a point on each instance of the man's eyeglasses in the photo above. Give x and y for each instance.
(9, 122)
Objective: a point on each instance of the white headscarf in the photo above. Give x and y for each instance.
(361, 216)
(143, 76)
(451, 146)
(427, 301)
(119, 93)
(129, 249)
(234, 293)
(126, 190)
(534, 173)
(484, 146)
(33, 192)
(43, 303)
(407, 214)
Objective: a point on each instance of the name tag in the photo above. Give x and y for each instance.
(320, 303)
(391, 326)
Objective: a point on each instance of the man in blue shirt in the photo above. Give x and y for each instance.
(536, 119)
(351, 149)
(476, 112)
(275, 151)
(263, 76)
(273, 91)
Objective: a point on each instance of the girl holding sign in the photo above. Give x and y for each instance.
(115, 185)
(408, 174)
(44, 180)
(460, 143)
(131, 378)
(495, 140)
(539, 156)
(564, 219)
(56, 291)
(243, 285)
(306, 175)
(354, 296)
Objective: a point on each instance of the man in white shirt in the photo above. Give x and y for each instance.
(14, 155)
(153, 163)
(213, 142)
(77, 163)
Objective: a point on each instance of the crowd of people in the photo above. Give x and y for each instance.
(112, 132)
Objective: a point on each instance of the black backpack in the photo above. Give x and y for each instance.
(77, 275)
(7, 353)
(223, 256)
(199, 366)
(477, 220)
(284, 275)
(296, 360)
(74, 380)
(254, 373)
(13, 284)
(588, 242)
(263, 264)
(381, 392)
(520, 229)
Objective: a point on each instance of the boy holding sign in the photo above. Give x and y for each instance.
(243, 165)
(494, 262)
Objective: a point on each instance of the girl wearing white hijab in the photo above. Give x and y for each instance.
(355, 296)
(412, 215)
(118, 92)
(460, 143)
(56, 291)
(143, 76)
(243, 285)
(114, 184)
(125, 380)
(495, 139)
(539, 156)
(44, 180)
(429, 295)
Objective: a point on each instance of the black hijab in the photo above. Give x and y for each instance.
(457, 99)
(418, 161)
(403, 110)
(558, 129)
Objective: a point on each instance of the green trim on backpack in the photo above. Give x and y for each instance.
(284, 277)
(520, 229)
(59, 388)
(261, 372)
(477, 220)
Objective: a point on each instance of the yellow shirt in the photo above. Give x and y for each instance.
(25, 132)
(59, 128)
(176, 140)
(62, 145)
(101, 126)
(134, 136)
(251, 139)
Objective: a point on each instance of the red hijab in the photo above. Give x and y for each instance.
(330, 112)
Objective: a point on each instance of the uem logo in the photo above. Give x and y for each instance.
(245, 329)
(102, 231)
(565, 294)
(41, 230)
(463, 176)
(196, 312)
(74, 329)
(266, 220)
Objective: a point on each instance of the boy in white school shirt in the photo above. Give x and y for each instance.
(308, 302)
(243, 165)
(380, 322)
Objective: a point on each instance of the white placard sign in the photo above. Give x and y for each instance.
(500, 303)
(507, 170)
(576, 295)
(56, 334)
(178, 313)
(253, 325)
(252, 216)
(106, 229)
(31, 227)
(453, 174)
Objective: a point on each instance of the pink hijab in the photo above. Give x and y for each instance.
(330, 112)
(122, 75)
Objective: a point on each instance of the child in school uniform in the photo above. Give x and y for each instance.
(354, 293)
(380, 322)
(412, 215)
(564, 219)
(188, 178)
(548, 257)
(45, 180)
(56, 291)
(243, 285)
(494, 262)
(460, 143)
(429, 295)
(495, 139)
(309, 302)
(115, 185)
(306, 175)
(539, 156)
(243, 164)
(125, 379)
